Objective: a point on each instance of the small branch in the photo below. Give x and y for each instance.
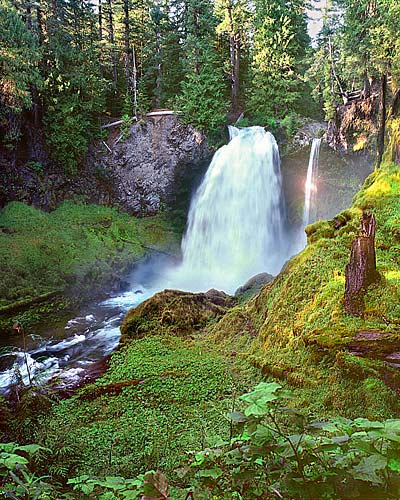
(106, 145)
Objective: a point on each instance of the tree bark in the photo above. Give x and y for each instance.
(361, 270)
(236, 81)
(127, 45)
(100, 18)
(234, 50)
(382, 121)
(134, 83)
(112, 41)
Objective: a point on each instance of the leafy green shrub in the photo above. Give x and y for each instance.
(18, 480)
(291, 123)
(126, 125)
(277, 454)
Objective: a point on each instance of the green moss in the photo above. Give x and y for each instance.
(74, 249)
(175, 312)
(297, 326)
(177, 401)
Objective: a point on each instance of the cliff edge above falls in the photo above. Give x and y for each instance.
(156, 165)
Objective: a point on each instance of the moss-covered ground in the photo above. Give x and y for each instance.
(301, 333)
(48, 260)
(161, 398)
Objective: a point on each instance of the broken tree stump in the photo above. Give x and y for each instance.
(361, 270)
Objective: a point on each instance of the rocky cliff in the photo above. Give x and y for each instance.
(156, 165)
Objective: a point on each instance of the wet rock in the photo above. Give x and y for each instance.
(254, 284)
(176, 312)
(7, 361)
(155, 163)
(306, 133)
(158, 165)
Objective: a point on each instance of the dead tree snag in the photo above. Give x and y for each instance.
(361, 270)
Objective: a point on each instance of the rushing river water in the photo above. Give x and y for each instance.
(236, 229)
(65, 353)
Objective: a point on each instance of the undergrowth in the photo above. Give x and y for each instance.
(160, 397)
(73, 249)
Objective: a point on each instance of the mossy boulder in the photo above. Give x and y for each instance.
(175, 312)
(253, 286)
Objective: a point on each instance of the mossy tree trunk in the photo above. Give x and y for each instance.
(361, 270)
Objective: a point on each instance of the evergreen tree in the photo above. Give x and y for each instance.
(280, 41)
(19, 74)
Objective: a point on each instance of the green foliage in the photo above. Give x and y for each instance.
(19, 55)
(160, 397)
(277, 453)
(203, 97)
(75, 96)
(280, 40)
(291, 123)
(18, 480)
(75, 246)
(126, 125)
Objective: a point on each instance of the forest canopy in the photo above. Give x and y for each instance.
(65, 65)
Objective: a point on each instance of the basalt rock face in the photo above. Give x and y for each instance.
(175, 312)
(158, 164)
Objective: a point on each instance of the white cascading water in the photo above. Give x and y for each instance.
(236, 229)
(311, 187)
(236, 223)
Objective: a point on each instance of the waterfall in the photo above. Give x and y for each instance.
(236, 222)
(310, 197)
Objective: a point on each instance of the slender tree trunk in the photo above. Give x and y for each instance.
(234, 58)
(382, 120)
(100, 17)
(112, 40)
(361, 270)
(134, 82)
(159, 67)
(367, 87)
(127, 45)
(334, 76)
(237, 71)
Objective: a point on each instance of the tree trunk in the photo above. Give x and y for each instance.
(112, 41)
(127, 45)
(382, 121)
(361, 270)
(159, 68)
(134, 82)
(236, 80)
(100, 17)
(234, 48)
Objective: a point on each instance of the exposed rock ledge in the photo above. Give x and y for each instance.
(157, 164)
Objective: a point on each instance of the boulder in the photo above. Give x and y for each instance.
(254, 285)
(176, 312)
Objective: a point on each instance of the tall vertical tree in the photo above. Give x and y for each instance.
(280, 41)
(235, 21)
